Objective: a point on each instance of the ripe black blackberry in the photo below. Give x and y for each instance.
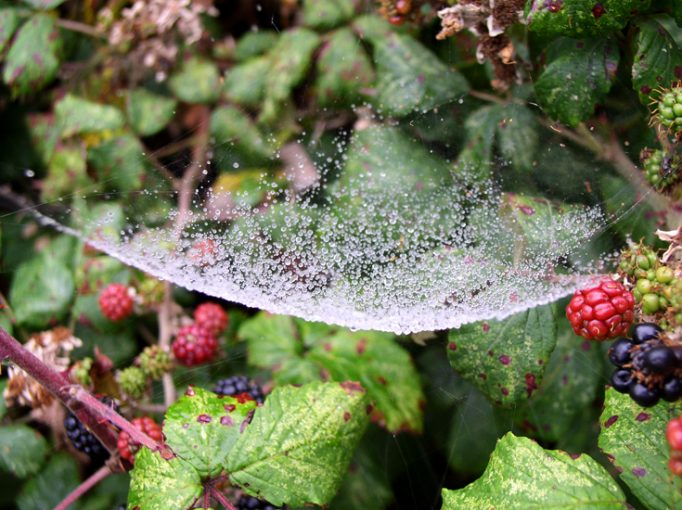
(239, 384)
(250, 503)
(647, 369)
(85, 441)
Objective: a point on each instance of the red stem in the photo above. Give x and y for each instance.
(88, 484)
(91, 412)
(221, 498)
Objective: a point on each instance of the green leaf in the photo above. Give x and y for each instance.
(521, 475)
(412, 167)
(9, 21)
(517, 136)
(149, 112)
(253, 44)
(571, 383)
(202, 427)
(22, 450)
(411, 78)
(245, 83)
(159, 484)
(580, 18)
(232, 130)
(325, 14)
(119, 162)
(67, 173)
(271, 339)
(76, 115)
(41, 292)
(311, 434)
(505, 359)
(44, 4)
(290, 60)
(638, 221)
(385, 371)
(344, 70)
(33, 60)
(197, 81)
(633, 438)
(51, 485)
(579, 75)
(657, 61)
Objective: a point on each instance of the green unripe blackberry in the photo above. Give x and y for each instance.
(660, 168)
(644, 286)
(664, 274)
(670, 109)
(132, 381)
(650, 303)
(154, 362)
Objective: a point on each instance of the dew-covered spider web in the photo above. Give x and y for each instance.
(398, 213)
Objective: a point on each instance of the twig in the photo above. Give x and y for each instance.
(60, 387)
(76, 26)
(84, 487)
(220, 497)
(169, 393)
(484, 96)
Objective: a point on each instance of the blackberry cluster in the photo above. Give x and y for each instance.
(648, 370)
(85, 441)
(670, 109)
(239, 385)
(250, 503)
(660, 169)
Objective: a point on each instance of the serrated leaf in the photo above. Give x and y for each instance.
(51, 485)
(657, 61)
(411, 78)
(202, 427)
(290, 60)
(234, 131)
(245, 83)
(9, 21)
(385, 371)
(119, 162)
(271, 339)
(311, 434)
(75, 115)
(344, 70)
(148, 112)
(505, 359)
(579, 75)
(522, 475)
(41, 292)
(633, 438)
(22, 450)
(296, 371)
(253, 44)
(571, 382)
(33, 60)
(197, 81)
(159, 484)
(580, 18)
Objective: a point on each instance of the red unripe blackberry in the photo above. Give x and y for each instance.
(127, 447)
(674, 433)
(116, 302)
(212, 317)
(194, 345)
(601, 311)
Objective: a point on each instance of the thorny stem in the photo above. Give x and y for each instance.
(220, 497)
(76, 26)
(169, 393)
(84, 487)
(91, 412)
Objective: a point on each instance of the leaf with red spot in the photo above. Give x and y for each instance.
(383, 368)
(299, 444)
(33, 60)
(202, 427)
(633, 439)
(657, 60)
(501, 358)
